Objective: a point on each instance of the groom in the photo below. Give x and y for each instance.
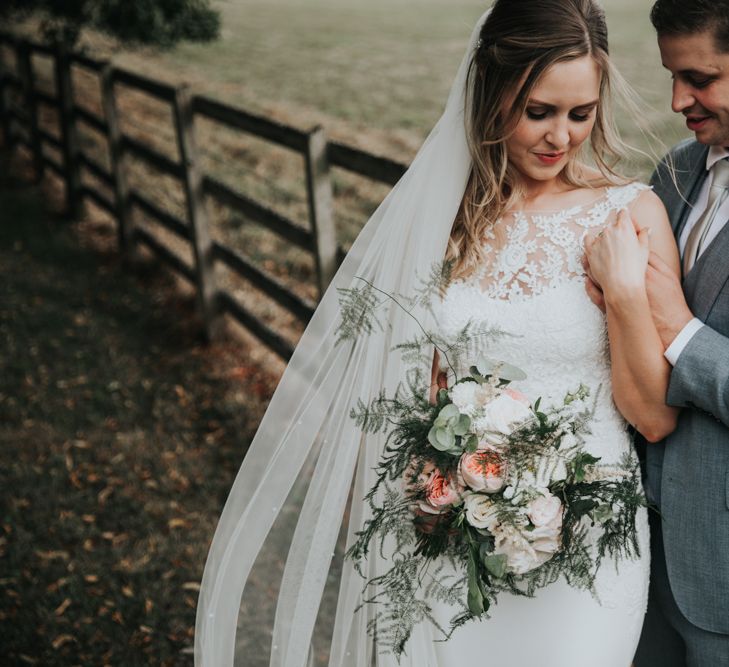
(687, 474)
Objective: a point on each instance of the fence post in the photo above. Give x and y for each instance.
(196, 214)
(4, 94)
(118, 171)
(25, 71)
(319, 187)
(5, 111)
(69, 133)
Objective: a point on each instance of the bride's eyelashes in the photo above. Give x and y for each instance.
(533, 114)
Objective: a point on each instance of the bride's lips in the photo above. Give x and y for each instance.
(550, 158)
(696, 123)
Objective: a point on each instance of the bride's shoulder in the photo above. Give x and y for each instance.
(647, 205)
(631, 194)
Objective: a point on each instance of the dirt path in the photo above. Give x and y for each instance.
(120, 434)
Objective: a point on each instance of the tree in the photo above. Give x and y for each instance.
(161, 22)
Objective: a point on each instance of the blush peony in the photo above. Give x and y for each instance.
(483, 470)
(441, 493)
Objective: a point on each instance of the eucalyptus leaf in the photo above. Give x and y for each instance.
(463, 423)
(500, 369)
(485, 548)
(481, 379)
(445, 439)
(495, 564)
(450, 411)
(470, 443)
(433, 438)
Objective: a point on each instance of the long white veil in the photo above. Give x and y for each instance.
(276, 591)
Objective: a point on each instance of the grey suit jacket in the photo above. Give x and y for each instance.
(688, 473)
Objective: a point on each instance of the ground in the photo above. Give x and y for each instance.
(120, 435)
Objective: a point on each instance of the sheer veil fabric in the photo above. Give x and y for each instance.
(276, 591)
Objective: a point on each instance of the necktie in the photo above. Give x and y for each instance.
(717, 194)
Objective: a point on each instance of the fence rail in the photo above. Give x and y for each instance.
(20, 98)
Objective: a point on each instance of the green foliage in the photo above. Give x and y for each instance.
(158, 22)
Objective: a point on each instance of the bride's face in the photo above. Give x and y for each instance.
(558, 118)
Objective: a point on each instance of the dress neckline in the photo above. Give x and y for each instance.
(577, 207)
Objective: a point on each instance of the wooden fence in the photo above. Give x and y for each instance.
(20, 100)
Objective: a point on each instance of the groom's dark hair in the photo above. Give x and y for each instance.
(683, 17)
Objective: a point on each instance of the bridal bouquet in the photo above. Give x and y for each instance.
(481, 492)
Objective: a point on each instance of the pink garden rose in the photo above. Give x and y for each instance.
(441, 493)
(483, 470)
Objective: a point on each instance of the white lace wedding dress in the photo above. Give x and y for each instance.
(534, 289)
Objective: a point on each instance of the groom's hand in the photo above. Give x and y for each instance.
(668, 304)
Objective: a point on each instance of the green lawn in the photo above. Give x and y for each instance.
(381, 66)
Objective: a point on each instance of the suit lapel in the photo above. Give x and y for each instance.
(708, 275)
(690, 186)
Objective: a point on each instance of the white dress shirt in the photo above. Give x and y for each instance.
(716, 153)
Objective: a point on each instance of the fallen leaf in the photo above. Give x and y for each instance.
(61, 609)
(61, 640)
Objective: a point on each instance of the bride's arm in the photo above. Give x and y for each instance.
(438, 377)
(618, 261)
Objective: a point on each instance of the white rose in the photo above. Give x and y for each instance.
(480, 512)
(465, 396)
(488, 438)
(544, 510)
(501, 414)
(521, 556)
(546, 539)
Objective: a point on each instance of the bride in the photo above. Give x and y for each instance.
(500, 188)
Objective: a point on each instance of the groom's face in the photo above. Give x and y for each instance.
(700, 75)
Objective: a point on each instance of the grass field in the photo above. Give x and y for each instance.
(380, 68)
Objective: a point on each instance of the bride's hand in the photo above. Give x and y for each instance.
(618, 257)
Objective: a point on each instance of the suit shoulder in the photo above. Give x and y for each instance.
(678, 164)
(686, 152)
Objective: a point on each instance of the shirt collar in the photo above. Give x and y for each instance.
(715, 154)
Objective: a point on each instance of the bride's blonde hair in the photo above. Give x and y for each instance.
(519, 41)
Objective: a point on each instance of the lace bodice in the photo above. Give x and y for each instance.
(543, 249)
(532, 289)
